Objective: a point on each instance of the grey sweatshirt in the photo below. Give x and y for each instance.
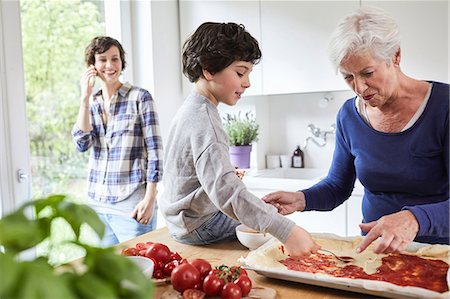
(199, 179)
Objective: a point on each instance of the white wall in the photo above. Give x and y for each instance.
(156, 54)
(283, 121)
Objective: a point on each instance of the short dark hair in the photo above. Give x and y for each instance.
(215, 46)
(101, 44)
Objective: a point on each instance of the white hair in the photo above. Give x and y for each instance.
(367, 29)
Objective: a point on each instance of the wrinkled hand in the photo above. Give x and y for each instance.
(143, 212)
(86, 87)
(286, 202)
(395, 232)
(300, 243)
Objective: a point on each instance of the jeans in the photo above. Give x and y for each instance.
(120, 228)
(218, 228)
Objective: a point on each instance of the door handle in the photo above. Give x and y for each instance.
(21, 176)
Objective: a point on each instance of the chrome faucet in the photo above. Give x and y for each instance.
(320, 134)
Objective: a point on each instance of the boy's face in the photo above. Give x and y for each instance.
(229, 84)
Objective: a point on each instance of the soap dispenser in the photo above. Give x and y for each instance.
(298, 158)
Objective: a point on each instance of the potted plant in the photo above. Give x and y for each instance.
(102, 273)
(242, 132)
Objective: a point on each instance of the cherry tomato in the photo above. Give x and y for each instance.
(142, 252)
(245, 284)
(231, 291)
(212, 285)
(193, 294)
(168, 268)
(141, 246)
(158, 251)
(175, 256)
(202, 266)
(239, 271)
(158, 274)
(160, 265)
(184, 276)
(214, 272)
(129, 251)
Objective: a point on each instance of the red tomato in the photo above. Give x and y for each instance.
(168, 268)
(202, 266)
(175, 256)
(158, 251)
(245, 284)
(193, 294)
(158, 274)
(212, 285)
(184, 276)
(160, 265)
(238, 270)
(141, 246)
(231, 291)
(142, 252)
(129, 251)
(214, 272)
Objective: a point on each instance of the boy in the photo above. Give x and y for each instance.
(203, 199)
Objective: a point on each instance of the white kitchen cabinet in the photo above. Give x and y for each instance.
(295, 37)
(342, 221)
(317, 222)
(424, 34)
(194, 13)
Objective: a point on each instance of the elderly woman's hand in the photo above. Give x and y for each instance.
(286, 202)
(395, 231)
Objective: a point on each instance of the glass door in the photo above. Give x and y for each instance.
(54, 37)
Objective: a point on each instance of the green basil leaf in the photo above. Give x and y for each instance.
(11, 275)
(77, 214)
(39, 281)
(90, 285)
(20, 233)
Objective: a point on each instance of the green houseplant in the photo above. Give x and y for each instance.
(242, 132)
(102, 273)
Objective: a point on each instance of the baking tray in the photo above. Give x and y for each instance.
(370, 287)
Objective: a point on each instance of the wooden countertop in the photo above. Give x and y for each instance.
(228, 253)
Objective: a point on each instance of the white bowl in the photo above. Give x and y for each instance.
(251, 238)
(144, 263)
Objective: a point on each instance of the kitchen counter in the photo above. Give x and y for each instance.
(228, 253)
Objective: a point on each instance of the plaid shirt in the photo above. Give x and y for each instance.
(128, 152)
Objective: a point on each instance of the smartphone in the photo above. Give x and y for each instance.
(92, 81)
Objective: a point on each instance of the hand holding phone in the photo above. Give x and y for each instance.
(92, 78)
(92, 81)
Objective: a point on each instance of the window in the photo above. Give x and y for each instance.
(55, 35)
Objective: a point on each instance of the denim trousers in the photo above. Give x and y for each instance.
(120, 228)
(218, 228)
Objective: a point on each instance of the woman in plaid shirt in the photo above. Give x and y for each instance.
(121, 126)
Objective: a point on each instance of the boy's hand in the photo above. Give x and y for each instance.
(300, 243)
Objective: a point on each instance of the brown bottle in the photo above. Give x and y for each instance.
(298, 158)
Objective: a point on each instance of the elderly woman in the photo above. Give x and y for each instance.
(393, 136)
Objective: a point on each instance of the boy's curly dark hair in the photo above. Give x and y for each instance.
(101, 44)
(214, 46)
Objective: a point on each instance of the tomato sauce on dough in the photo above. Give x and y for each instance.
(399, 269)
